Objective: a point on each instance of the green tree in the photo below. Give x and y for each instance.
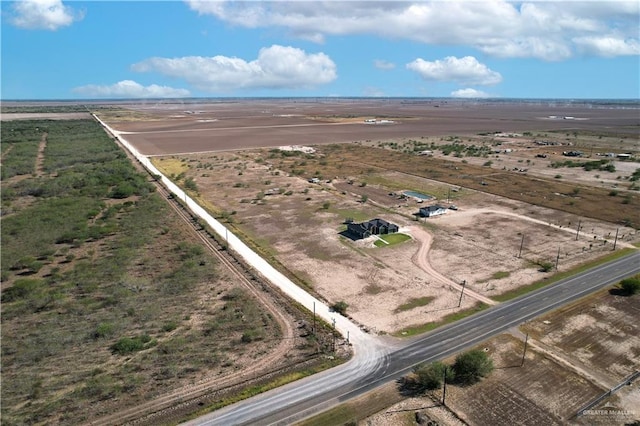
(429, 376)
(470, 367)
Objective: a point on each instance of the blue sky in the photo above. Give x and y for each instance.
(119, 49)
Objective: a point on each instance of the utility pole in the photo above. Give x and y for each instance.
(449, 196)
(334, 334)
(578, 230)
(314, 319)
(521, 245)
(444, 386)
(526, 340)
(464, 282)
(616, 240)
(557, 258)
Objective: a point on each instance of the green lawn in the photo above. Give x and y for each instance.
(391, 239)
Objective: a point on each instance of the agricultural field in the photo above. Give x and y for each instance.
(109, 299)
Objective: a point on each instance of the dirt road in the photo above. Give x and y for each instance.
(421, 260)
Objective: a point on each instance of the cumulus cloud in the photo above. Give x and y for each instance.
(547, 30)
(43, 15)
(130, 89)
(383, 65)
(469, 93)
(277, 67)
(465, 70)
(608, 46)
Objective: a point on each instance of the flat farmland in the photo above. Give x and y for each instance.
(161, 129)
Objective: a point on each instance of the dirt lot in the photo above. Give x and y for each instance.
(302, 224)
(491, 243)
(574, 355)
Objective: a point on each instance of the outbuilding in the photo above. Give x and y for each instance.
(434, 210)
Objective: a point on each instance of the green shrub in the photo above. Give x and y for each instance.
(21, 289)
(126, 345)
(630, 285)
(340, 307)
(470, 367)
(104, 329)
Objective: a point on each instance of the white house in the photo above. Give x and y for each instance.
(434, 210)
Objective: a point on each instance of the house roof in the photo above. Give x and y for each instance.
(433, 208)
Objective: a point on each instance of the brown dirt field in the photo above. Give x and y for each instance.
(219, 126)
(478, 243)
(266, 194)
(601, 335)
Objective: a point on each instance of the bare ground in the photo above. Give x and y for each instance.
(479, 243)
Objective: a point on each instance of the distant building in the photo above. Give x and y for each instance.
(372, 227)
(434, 210)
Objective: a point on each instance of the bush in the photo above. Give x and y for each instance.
(190, 184)
(340, 307)
(103, 329)
(630, 285)
(470, 367)
(126, 345)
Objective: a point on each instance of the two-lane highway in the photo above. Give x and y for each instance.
(315, 394)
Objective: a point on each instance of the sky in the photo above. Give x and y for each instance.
(54, 49)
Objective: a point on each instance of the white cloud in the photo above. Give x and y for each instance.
(43, 15)
(465, 70)
(608, 46)
(372, 92)
(383, 65)
(277, 67)
(469, 93)
(130, 89)
(538, 29)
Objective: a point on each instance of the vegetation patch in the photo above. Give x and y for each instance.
(391, 239)
(95, 269)
(423, 328)
(414, 303)
(560, 276)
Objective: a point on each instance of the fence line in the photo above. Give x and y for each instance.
(627, 380)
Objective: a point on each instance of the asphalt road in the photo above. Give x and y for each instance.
(304, 398)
